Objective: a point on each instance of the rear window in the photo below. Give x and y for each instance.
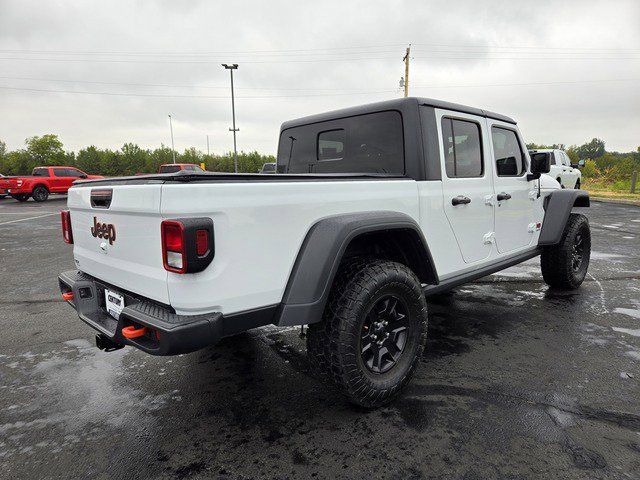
(462, 148)
(169, 168)
(370, 143)
(40, 172)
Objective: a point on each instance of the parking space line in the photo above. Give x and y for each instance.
(30, 218)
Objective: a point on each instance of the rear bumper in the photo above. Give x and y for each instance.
(167, 332)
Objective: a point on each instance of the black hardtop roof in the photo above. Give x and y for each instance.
(395, 104)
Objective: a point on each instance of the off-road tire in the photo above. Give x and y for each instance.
(558, 262)
(334, 344)
(21, 197)
(40, 193)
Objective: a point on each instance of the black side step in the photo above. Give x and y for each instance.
(452, 282)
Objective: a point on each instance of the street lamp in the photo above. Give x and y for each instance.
(173, 150)
(231, 68)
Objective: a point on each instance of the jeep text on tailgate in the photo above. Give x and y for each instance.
(372, 209)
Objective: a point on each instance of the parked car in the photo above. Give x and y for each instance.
(3, 186)
(176, 167)
(568, 175)
(44, 181)
(407, 198)
(269, 167)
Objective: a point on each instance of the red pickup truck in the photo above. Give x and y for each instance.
(176, 167)
(43, 182)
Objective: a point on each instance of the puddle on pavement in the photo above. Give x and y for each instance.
(72, 395)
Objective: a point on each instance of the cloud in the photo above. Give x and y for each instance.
(464, 51)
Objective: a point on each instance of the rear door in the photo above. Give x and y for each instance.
(514, 204)
(60, 182)
(467, 182)
(132, 260)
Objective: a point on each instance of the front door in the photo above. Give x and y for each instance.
(513, 198)
(467, 183)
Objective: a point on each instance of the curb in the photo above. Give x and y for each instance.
(621, 201)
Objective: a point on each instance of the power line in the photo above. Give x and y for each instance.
(335, 50)
(529, 83)
(370, 92)
(315, 60)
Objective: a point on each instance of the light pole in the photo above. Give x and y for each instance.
(231, 68)
(173, 150)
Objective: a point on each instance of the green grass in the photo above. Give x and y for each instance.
(611, 189)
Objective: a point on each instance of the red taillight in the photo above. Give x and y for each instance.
(67, 233)
(202, 242)
(173, 246)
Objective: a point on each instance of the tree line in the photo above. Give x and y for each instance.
(128, 160)
(132, 159)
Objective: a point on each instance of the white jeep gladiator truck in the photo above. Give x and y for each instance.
(372, 209)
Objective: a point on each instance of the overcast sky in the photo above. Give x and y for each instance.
(567, 71)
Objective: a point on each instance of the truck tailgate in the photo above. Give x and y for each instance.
(133, 259)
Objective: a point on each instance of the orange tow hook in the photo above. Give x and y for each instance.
(68, 296)
(133, 332)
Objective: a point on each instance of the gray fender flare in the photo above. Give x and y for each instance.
(320, 255)
(558, 206)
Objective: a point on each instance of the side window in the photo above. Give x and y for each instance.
(462, 148)
(508, 154)
(331, 145)
(367, 143)
(60, 172)
(72, 172)
(40, 172)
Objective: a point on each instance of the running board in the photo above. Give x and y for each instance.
(452, 282)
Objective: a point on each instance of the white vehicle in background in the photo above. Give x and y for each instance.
(562, 170)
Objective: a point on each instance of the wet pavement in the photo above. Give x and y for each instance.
(517, 381)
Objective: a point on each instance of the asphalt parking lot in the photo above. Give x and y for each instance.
(517, 381)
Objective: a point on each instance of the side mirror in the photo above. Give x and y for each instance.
(83, 175)
(540, 163)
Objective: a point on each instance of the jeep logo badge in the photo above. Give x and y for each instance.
(104, 230)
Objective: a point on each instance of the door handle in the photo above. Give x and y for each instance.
(460, 200)
(503, 196)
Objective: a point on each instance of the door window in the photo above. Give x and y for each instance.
(507, 152)
(462, 148)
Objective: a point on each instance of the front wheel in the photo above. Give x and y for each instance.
(21, 197)
(565, 265)
(40, 193)
(373, 331)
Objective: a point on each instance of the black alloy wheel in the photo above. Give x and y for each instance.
(384, 334)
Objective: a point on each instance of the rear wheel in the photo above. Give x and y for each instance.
(373, 331)
(565, 265)
(40, 193)
(21, 197)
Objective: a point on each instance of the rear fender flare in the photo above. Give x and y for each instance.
(320, 255)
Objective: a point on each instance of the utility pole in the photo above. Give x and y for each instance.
(231, 68)
(207, 144)
(173, 150)
(405, 59)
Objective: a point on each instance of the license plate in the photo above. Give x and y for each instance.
(114, 303)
